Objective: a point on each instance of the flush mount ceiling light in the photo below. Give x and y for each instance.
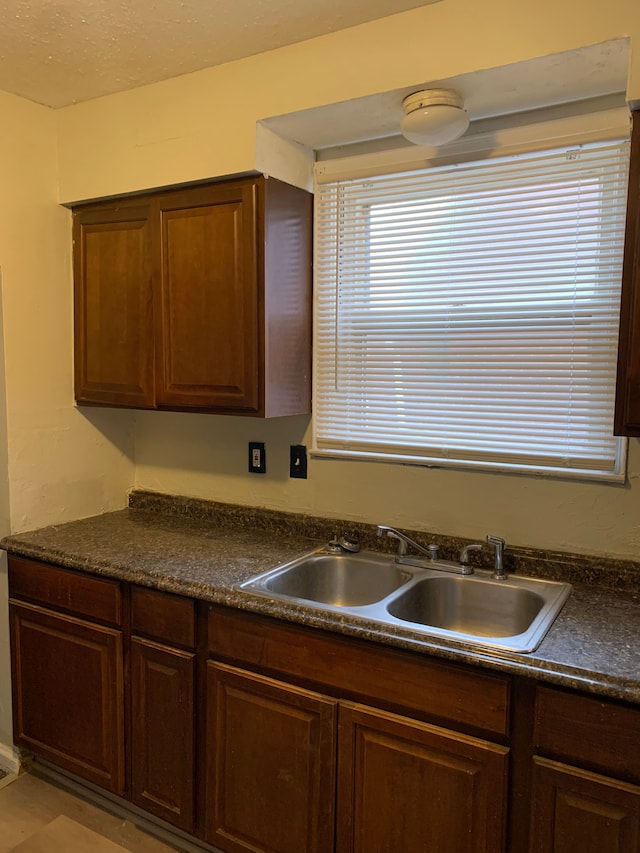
(434, 117)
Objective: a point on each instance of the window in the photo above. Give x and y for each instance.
(467, 314)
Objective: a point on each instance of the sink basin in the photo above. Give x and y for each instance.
(466, 606)
(419, 601)
(337, 580)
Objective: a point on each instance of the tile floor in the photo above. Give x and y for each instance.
(37, 817)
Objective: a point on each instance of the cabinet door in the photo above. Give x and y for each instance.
(208, 327)
(409, 786)
(113, 307)
(68, 701)
(270, 761)
(163, 731)
(576, 811)
(627, 416)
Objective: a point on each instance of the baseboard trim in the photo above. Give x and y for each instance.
(9, 759)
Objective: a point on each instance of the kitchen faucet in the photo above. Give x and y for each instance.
(462, 567)
(404, 542)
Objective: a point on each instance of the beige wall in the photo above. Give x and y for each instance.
(63, 462)
(57, 463)
(203, 124)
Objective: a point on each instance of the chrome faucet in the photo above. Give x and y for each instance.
(404, 542)
(499, 573)
(431, 551)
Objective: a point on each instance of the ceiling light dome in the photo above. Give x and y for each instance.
(434, 117)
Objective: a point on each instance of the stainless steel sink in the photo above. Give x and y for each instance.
(341, 581)
(512, 615)
(471, 606)
(348, 580)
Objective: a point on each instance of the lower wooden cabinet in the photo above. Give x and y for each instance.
(163, 731)
(403, 785)
(260, 736)
(68, 703)
(408, 786)
(270, 759)
(575, 811)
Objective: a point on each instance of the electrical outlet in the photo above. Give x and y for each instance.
(257, 458)
(298, 461)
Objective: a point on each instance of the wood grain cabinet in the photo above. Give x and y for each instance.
(113, 334)
(406, 785)
(67, 671)
(586, 775)
(575, 810)
(162, 702)
(270, 778)
(197, 298)
(257, 735)
(403, 784)
(627, 412)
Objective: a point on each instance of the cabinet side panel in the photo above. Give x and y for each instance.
(287, 273)
(627, 412)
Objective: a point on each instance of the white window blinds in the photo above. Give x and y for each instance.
(469, 313)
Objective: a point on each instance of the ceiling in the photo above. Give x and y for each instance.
(59, 52)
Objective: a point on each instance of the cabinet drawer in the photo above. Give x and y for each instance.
(604, 736)
(359, 669)
(163, 616)
(71, 592)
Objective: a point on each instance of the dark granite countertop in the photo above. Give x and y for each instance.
(198, 552)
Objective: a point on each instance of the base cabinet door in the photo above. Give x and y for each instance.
(574, 811)
(163, 731)
(409, 786)
(68, 693)
(270, 761)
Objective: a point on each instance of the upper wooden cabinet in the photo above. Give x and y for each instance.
(197, 299)
(627, 414)
(113, 305)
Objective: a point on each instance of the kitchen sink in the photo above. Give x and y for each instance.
(471, 606)
(419, 600)
(341, 581)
